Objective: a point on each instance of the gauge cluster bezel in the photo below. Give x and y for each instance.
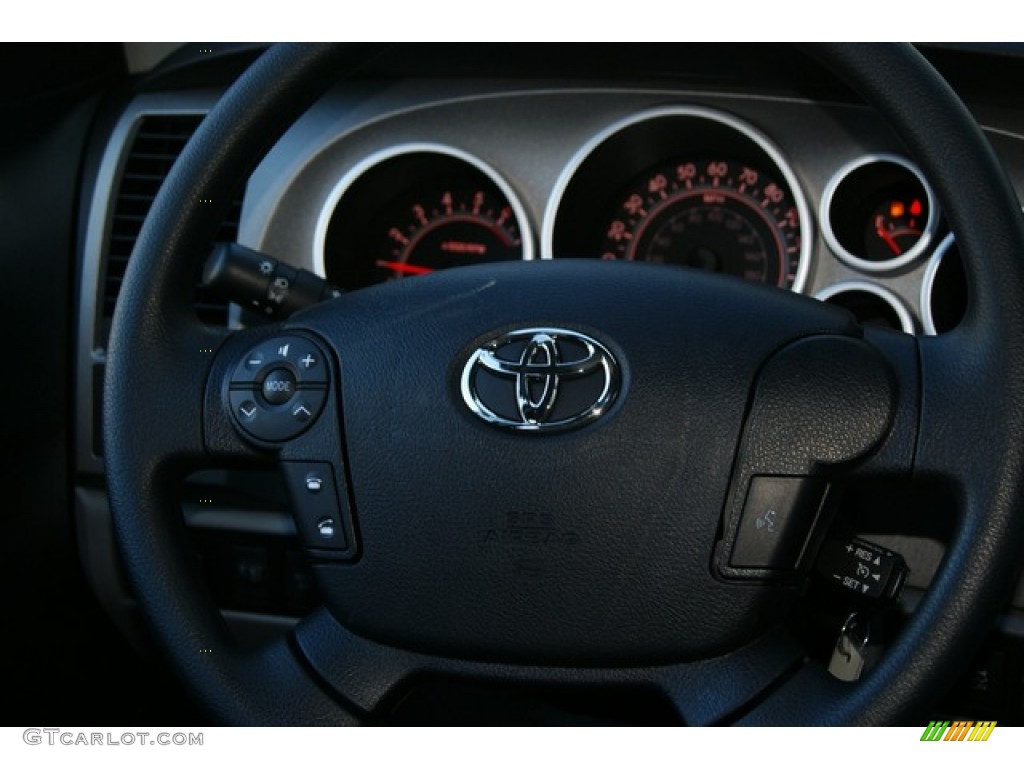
(533, 138)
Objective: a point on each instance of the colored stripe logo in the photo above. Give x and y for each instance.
(959, 730)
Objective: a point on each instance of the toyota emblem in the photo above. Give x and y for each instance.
(540, 379)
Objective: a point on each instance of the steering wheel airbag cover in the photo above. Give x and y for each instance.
(589, 546)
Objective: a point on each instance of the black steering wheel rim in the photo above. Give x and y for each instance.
(155, 338)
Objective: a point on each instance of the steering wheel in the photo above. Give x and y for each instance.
(622, 545)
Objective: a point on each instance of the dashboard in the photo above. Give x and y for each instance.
(730, 184)
(706, 162)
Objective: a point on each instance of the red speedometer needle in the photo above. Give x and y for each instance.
(403, 268)
(893, 246)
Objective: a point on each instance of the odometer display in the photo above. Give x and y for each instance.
(719, 215)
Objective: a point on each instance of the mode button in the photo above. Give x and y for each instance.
(278, 386)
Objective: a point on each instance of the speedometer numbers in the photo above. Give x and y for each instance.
(687, 186)
(715, 214)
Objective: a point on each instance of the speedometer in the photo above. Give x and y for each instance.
(689, 186)
(720, 215)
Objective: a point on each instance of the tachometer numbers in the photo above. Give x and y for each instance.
(416, 209)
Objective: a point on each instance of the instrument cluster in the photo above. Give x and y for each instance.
(690, 186)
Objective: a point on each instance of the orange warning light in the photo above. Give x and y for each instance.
(896, 209)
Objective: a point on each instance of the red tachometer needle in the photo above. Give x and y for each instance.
(403, 268)
(882, 233)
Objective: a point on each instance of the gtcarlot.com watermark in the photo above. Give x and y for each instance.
(67, 738)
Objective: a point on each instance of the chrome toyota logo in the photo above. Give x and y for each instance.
(540, 379)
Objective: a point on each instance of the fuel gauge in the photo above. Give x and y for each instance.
(878, 213)
(895, 228)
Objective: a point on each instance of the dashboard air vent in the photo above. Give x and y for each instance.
(156, 145)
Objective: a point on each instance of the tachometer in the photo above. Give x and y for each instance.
(716, 214)
(439, 225)
(415, 209)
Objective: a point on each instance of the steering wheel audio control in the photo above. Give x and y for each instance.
(278, 388)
